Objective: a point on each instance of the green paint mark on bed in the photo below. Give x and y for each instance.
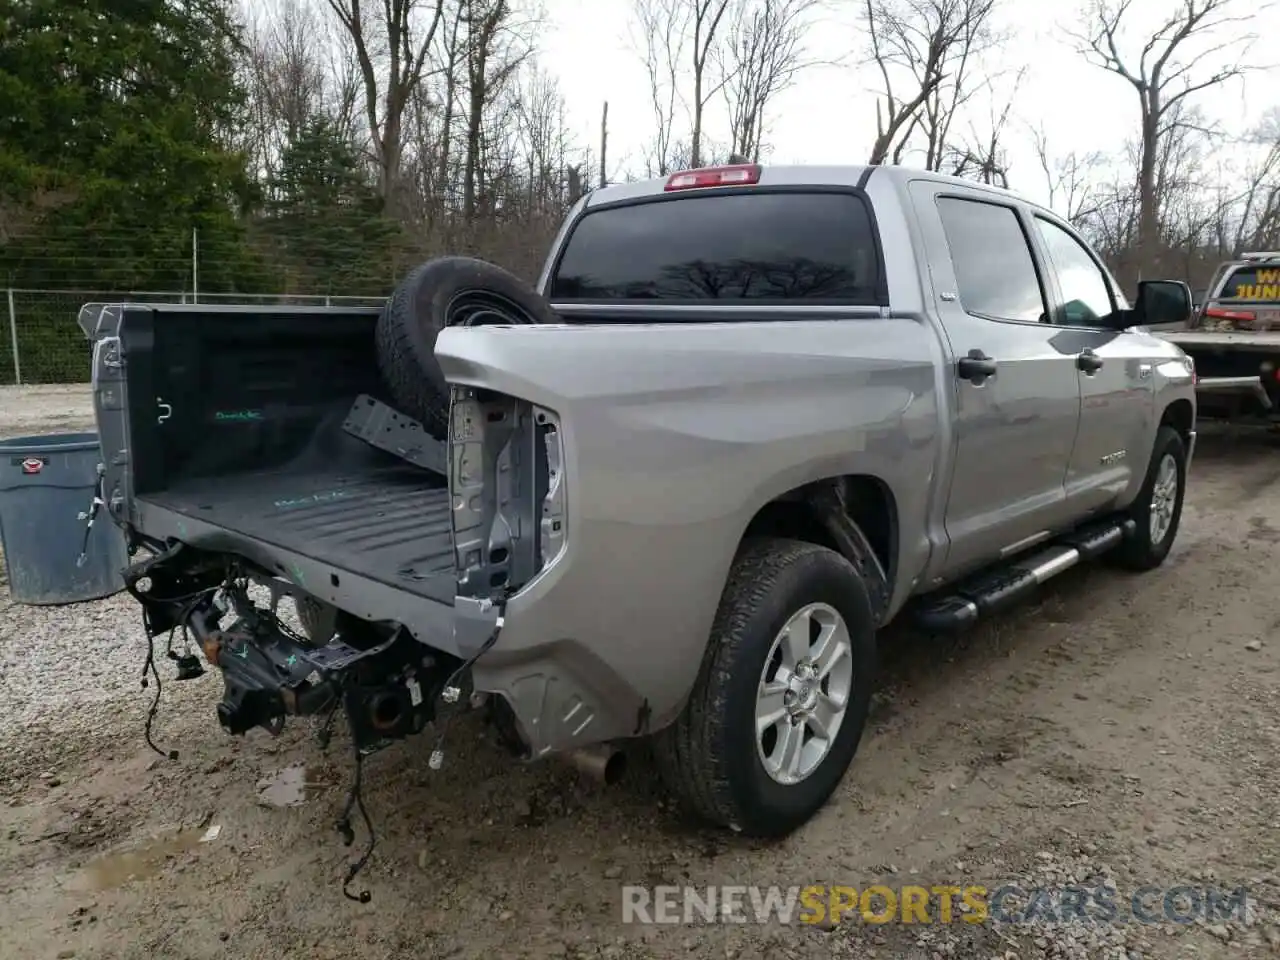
(299, 577)
(237, 416)
(323, 497)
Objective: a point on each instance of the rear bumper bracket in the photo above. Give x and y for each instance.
(380, 426)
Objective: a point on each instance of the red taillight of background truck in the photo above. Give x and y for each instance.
(1236, 316)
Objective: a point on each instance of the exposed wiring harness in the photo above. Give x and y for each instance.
(355, 797)
(149, 665)
(237, 593)
(450, 689)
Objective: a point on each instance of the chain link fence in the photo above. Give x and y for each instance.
(42, 342)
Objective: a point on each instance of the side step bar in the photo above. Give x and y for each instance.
(965, 603)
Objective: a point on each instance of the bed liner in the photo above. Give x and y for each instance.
(386, 523)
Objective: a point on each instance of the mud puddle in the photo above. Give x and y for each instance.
(139, 862)
(291, 786)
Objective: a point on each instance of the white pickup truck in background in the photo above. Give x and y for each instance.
(1234, 339)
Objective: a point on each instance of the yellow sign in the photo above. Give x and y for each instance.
(1266, 286)
(881, 904)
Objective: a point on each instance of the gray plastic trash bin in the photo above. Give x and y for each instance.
(45, 483)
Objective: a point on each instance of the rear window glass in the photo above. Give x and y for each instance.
(1253, 283)
(759, 247)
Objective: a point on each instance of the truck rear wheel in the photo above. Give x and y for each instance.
(445, 292)
(778, 708)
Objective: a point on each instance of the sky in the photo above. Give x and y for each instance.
(828, 116)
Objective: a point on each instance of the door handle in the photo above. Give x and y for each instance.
(1088, 361)
(975, 367)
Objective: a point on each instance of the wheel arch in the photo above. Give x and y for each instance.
(854, 514)
(1181, 416)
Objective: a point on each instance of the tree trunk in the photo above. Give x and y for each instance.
(475, 124)
(450, 95)
(604, 143)
(1148, 201)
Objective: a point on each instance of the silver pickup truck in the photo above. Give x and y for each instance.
(762, 412)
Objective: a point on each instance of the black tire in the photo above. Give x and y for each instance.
(447, 291)
(1147, 548)
(710, 756)
(318, 619)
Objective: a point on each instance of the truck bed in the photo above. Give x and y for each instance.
(237, 444)
(385, 523)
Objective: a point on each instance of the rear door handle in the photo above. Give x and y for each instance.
(1089, 362)
(975, 367)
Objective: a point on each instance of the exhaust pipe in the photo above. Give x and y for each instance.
(385, 712)
(603, 763)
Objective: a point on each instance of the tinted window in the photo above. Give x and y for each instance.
(752, 246)
(993, 265)
(1253, 283)
(1086, 298)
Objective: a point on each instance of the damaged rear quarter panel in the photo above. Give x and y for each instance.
(674, 436)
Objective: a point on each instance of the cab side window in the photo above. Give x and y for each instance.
(994, 269)
(1086, 295)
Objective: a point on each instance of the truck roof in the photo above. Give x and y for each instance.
(804, 175)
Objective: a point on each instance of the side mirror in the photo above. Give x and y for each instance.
(1161, 302)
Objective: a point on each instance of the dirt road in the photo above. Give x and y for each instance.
(1121, 729)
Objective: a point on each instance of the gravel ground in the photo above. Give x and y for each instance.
(1118, 732)
(48, 408)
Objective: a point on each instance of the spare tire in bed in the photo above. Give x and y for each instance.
(445, 292)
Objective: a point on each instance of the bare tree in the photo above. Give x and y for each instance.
(960, 83)
(391, 49)
(661, 33)
(1259, 218)
(286, 79)
(433, 128)
(1181, 174)
(1111, 221)
(542, 138)
(451, 56)
(1178, 59)
(762, 54)
(1191, 215)
(707, 16)
(345, 85)
(1247, 191)
(1071, 179)
(494, 52)
(918, 46)
(604, 144)
(670, 35)
(981, 155)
